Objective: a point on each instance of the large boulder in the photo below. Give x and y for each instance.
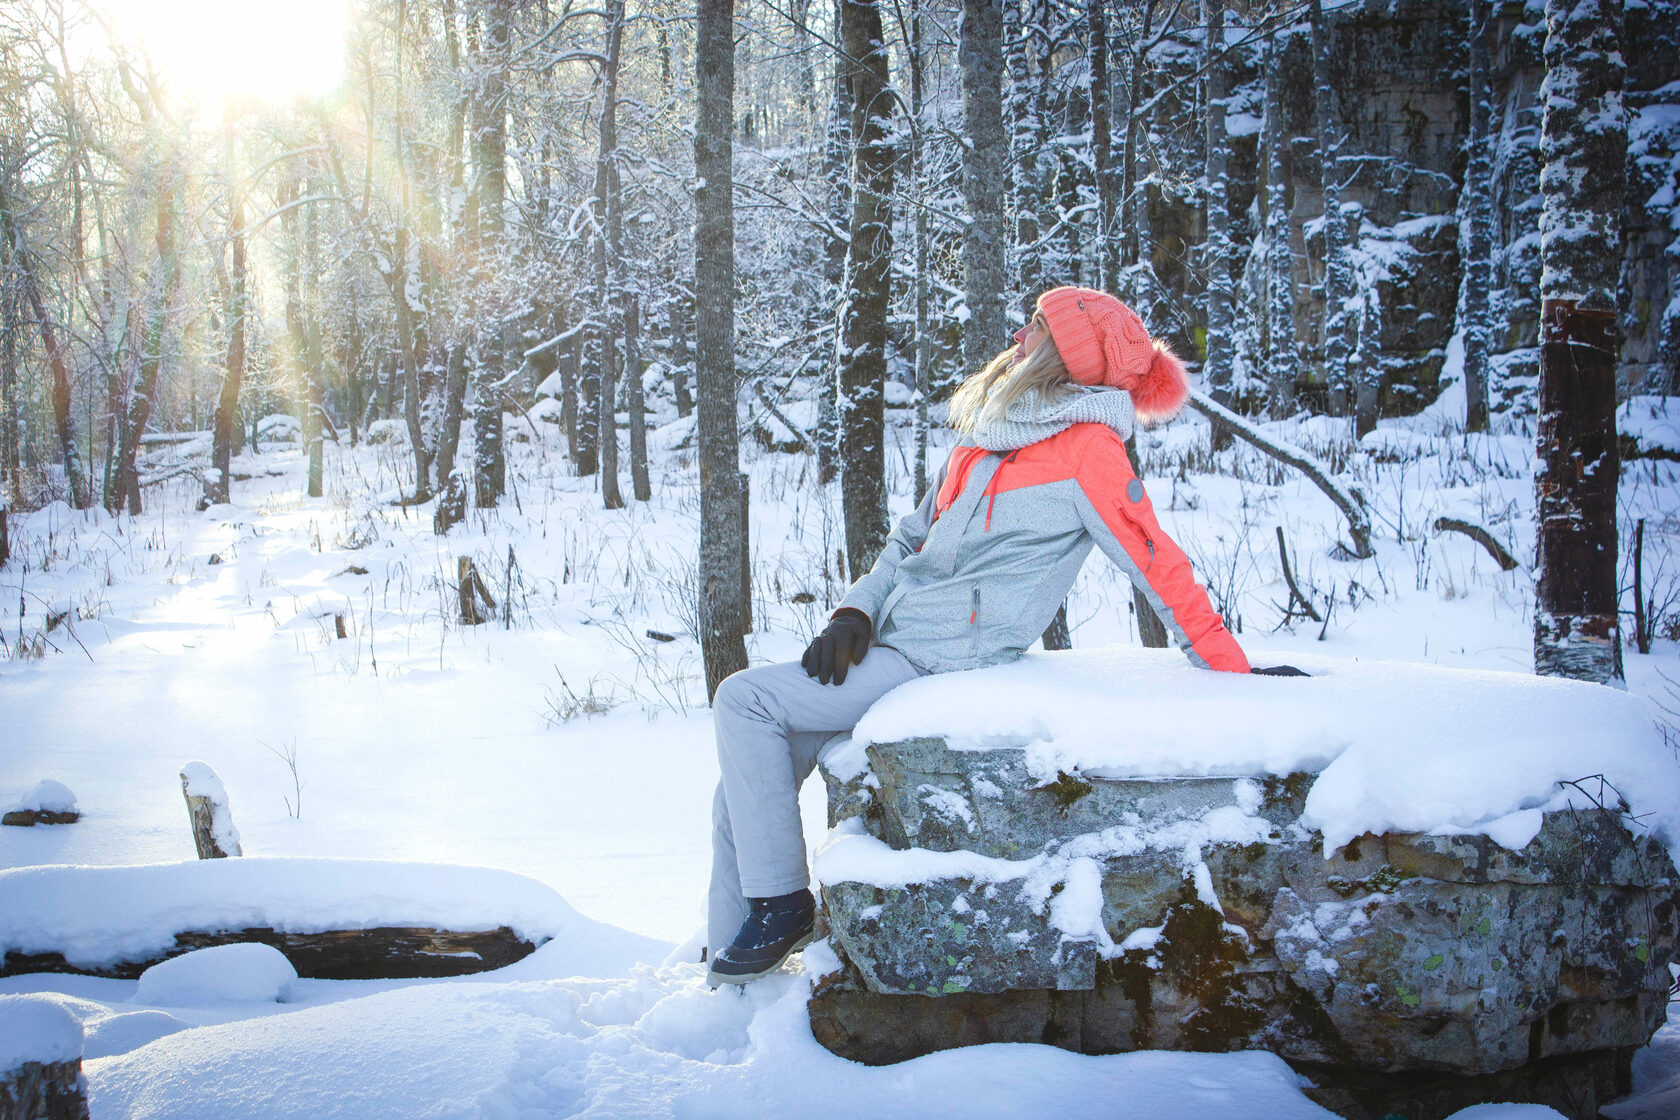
(972, 894)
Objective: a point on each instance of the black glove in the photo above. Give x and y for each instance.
(1280, 671)
(845, 640)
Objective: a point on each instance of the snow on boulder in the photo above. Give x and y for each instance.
(1396, 746)
(36, 1029)
(97, 918)
(49, 796)
(1380, 869)
(246, 973)
(49, 802)
(1649, 427)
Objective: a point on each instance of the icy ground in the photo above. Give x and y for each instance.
(563, 743)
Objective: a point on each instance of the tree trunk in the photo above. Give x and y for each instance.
(1216, 366)
(10, 457)
(57, 358)
(923, 341)
(1280, 271)
(836, 160)
(227, 401)
(1583, 179)
(314, 361)
(1026, 153)
(1102, 146)
(490, 154)
(609, 258)
(863, 365)
(980, 58)
(1338, 273)
(639, 483)
(151, 357)
(1476, 231)
(722, 536)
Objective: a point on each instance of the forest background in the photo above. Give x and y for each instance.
(792, 215)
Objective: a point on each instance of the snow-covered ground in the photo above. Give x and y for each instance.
(564, 744)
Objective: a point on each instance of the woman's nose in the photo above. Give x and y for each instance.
(1019, 335)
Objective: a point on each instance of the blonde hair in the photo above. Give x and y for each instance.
(986, 396)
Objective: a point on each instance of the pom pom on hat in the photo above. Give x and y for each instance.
(1103, 342)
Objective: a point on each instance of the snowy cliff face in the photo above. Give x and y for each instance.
(1384, 868)
(1398, 93)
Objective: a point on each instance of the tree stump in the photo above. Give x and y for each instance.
(41, 1063)
(470, 589)
(207, 808)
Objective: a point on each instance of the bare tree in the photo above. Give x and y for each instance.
(495, 345)
(863, 345)
(985, 234)
(722, 535)
(233, 373)
(1582, 182)
(1476, 228)
(1216, 369)
(57, 359)
(1280, 256)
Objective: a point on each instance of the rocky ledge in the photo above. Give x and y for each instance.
(971, 897)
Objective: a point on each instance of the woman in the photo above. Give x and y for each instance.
(968, 579)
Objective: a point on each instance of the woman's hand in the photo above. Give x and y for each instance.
(843, 641)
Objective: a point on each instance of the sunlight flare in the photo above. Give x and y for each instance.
(216, 53)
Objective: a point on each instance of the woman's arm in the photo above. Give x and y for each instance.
(1118, 514)
(871, 590)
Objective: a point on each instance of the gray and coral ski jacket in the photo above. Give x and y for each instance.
(977, 571)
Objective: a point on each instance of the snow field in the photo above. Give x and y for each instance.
(565, 746)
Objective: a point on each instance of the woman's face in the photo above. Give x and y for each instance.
(1029, 337)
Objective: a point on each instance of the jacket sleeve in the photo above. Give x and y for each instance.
(871, 590)
(1119, 516)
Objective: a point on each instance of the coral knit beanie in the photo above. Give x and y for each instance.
(1103, 342)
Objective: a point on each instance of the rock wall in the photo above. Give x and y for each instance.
(1398, 73)
(1198, 913)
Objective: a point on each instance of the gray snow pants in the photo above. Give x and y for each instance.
(771, 720)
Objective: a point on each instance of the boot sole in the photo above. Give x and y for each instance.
(716, 978)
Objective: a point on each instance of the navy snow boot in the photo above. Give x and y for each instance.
(774, 930)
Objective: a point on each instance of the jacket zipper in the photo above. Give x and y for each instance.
(974, 600)
(991, 487)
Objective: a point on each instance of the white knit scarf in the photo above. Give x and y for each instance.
(1031, 418)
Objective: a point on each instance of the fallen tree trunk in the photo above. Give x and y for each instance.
(1359, 522)
(384, 952)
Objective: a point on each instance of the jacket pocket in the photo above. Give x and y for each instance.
(1131, 519)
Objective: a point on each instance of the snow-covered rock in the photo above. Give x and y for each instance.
(246, 973)
(37, 1029)
(48, 796)
(1117, 852)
